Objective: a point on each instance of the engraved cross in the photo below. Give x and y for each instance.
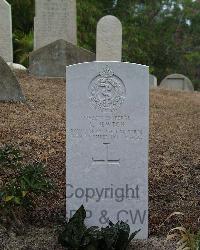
(107, 160)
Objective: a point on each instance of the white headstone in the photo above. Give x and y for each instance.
(109, 39)
(6, 46)
(107, 143)
(177, 82)
(54, 20)
(153, 82)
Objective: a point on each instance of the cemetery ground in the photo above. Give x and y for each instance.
(38, 129)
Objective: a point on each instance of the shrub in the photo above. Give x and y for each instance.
(77, 236)
(186, 240)
(23, 44)
(17, 194)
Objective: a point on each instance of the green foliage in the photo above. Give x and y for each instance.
(22, 185)
(9, 156)
(23, 44)
(163, 34)
(23, 12)
(77, 236)
(30, 180)
(74, 231)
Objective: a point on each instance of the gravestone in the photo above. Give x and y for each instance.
(51, 60)
(6, 46)
(9, 87)
(177, 82)
(107, 143)
(109, 39)
(153, 83)
(54, 20)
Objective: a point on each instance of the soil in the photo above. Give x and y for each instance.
(38, 129)
(46, 238)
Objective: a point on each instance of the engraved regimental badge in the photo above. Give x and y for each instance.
(107, 91)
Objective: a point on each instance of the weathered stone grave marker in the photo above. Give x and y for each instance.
(109, 39)
(54, 20)
(177, 82)
(107, 143)
(9, 87)
(51, 60)
(153, 82)
(6, 46)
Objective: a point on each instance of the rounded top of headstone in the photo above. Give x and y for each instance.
(109, 19)
(177, 82)
(109, 39)
(5, 3)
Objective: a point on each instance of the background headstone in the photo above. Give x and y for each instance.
(177, 82)
(109, 39)
(107, 142)
(51, 60)
(153, 82)
(9, 87)
(6, 46)
(54, 20)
